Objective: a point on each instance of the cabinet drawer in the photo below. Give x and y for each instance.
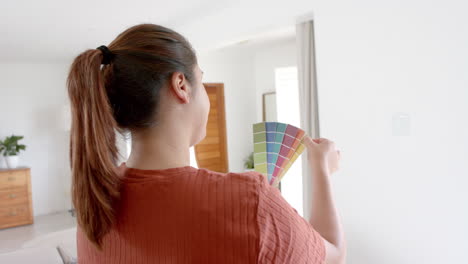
(13, 196)
(12, 179)
(14, 214)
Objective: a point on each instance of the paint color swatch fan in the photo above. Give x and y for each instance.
(276, 148)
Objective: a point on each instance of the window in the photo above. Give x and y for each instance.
(287, 100)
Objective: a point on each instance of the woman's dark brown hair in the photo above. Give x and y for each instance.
(115, 98)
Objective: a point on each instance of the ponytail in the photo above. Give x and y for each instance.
(93, 150)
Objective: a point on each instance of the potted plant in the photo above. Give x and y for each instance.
(249, 163)
(10, 148)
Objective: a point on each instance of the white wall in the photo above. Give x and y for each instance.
(268, 56)
(234, 68)
(403, 199)
(32, 99)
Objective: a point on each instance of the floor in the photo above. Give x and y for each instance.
(12, 238)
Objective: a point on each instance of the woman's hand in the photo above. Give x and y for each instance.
(322, 152)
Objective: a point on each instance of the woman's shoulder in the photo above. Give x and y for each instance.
(233, 186)
(247, 177)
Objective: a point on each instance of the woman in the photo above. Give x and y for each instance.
(155, 207)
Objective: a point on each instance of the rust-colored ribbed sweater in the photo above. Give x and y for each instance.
(190, 215)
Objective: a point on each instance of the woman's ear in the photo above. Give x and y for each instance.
(180, 87)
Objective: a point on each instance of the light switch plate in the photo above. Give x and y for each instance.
(401, 124)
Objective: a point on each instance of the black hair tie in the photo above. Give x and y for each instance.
(107, 55)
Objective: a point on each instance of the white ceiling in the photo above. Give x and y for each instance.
(58, 30)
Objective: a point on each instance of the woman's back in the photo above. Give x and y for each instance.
(190, 215)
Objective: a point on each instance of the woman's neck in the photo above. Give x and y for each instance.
(159, 150)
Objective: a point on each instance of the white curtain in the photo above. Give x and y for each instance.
(308, 98)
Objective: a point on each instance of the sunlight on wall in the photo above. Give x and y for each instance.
(287, 100)
(193, 161)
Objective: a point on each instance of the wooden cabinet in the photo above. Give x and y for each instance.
(15, 197)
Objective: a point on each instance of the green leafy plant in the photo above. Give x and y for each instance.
(249, 162)
(10, 147)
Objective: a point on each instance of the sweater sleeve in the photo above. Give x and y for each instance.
(285, 236)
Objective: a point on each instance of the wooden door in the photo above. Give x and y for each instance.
(211, 152)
